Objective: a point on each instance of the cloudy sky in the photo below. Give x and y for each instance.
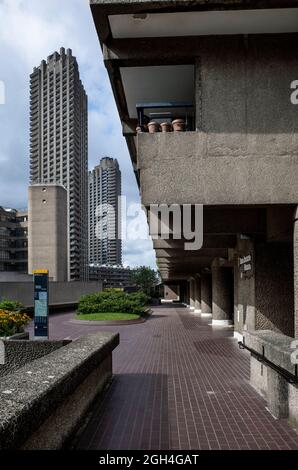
(30, 30)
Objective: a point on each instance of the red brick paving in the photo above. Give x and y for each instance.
(178, 384)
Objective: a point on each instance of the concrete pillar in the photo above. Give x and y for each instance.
(187, 294)
(206, 294)
(277, 394)
(198, 295)
(295, 240)
(192, 294)
(183, 293)
(222, 299)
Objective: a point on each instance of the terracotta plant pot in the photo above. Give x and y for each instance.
(153, 127)
(166, 127)
(179, 125)
(138, 129)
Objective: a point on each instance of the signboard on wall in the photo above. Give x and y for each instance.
(246, 266)
(41, 304)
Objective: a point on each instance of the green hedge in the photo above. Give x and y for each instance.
(11, 305)
(113, 300)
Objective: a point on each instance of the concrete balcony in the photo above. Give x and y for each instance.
(217, 169)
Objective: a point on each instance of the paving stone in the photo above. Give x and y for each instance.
(178, 385)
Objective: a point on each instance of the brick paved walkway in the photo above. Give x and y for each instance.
(179, 384)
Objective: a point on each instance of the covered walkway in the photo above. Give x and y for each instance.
(179, 384)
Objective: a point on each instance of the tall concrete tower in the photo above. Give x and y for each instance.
(59, 146)
(105, 245)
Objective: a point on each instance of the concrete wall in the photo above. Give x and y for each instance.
(295, 249)
(50, 398)
(59, 292)
(274, 287)
(175, 168)
(244, 289)
(247, 137)
(282, 396)
(171, 292)
(21, 352)
(47, 230)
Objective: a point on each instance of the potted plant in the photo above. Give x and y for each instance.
(179, 125)
(166, 127)
(153, 127)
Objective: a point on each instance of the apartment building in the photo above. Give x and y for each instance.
(203, 91)
(105, 245)
(59, 146)
(13, 241)
(111, 276)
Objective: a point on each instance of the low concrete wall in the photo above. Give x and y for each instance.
(43, 403)
(281, 395)
(21, 352)
(61, 293)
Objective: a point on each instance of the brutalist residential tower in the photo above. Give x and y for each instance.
(105, 213)
(59, 146)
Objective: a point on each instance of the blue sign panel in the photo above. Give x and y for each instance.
(41, 304)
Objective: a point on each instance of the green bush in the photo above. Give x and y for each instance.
(11, 305)
(113, 300)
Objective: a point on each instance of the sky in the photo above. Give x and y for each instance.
(30, 30)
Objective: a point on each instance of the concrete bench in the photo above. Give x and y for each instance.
(281, 395)
(43, 403)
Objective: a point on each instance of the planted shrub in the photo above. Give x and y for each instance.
(12, 322)
(11, 305)
(112, 300)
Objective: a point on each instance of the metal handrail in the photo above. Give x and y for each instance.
(291, 378)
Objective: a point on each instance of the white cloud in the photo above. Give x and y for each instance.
(30, 31)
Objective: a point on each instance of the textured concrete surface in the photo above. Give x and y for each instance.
(274, 288)
(33, 393)
(206, 293)
(282, 396)
(58, 430)
(295, 243)
(198, 295)
(222, 294)
(246, 137)
(47, 230)
(176, 169)
(244, 288)
(19, 352)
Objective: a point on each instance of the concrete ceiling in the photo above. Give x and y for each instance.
(196, 23)
(157, 84)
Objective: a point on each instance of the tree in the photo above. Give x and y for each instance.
(145, 278)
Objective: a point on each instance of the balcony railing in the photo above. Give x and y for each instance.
(165, 116)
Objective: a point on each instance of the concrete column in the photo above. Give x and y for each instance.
(206, 294)
(198, 295)
(295, 240)
(187, 294)
(277, 394)
(222, 300)
(192, 294)
(183, 293)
